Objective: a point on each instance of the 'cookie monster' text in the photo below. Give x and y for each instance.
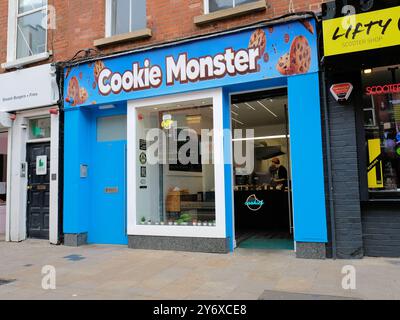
(181, 70)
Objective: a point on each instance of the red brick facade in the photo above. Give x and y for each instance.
(80, 22)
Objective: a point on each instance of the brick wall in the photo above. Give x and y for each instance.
(80, 22)
(345, 173)
(381, 230)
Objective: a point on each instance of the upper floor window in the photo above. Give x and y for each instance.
(31, 33)
(215, 5)
(125, 16)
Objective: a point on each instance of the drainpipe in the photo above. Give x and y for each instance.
(329, 164)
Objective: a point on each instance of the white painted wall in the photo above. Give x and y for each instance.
(17, 185)
(54, 144)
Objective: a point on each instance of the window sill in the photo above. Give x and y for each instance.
(135, 35)
(230, 13)
(28, 60)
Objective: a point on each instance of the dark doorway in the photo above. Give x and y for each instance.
(262, 192)
(38, 160)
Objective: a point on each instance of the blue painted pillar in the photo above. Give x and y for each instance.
(77, 199)
(226, 105)
(307, 159)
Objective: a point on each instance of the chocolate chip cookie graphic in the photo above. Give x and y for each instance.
(300, 55)
(297, 60)
(258, 39)
(283, 65)
(73, 91)
(98, 67)
(307, 24)
(83, 95)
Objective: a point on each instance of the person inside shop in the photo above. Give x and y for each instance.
(278, 173)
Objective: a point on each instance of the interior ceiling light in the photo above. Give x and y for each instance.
(236, 106)
(237, 121)
(251, 107)
(367, 71)
(235, 113)
(261, 104)
(281, 136)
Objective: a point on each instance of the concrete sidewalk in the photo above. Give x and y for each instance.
(113, 272)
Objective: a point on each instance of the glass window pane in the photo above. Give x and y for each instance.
(111, 128)
(31, 35)
(39, 128)
(28, 5)
(215, 5)
(239, 2)
(175, 165)
(382, 129)
(120, 16)
(138, 13)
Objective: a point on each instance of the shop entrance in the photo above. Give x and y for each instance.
(262, 193)
(38, 160)
(3, 182)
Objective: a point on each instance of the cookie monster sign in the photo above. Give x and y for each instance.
(245, 56)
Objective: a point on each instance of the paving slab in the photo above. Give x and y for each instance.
(116, 272)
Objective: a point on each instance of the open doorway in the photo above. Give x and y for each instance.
(3, 182)
(262, 193)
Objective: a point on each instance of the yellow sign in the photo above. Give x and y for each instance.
(365, 31)
(375, 171)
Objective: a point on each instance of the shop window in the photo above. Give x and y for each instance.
(31, 33)
(381, 106)
(215, 5)
(39, 128)
(125, 16)
(175, 170)
(111, 128)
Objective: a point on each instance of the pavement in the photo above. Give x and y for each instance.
(116, 272)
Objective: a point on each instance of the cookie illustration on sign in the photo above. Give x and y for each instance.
(98, 67)
(258, 39)
(283, 65)
(73, 91)
(300, 55)
(297, 60)
(83, 95)
(76, 94)
(307, 24)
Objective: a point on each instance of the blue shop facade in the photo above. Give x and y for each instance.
(114, 191)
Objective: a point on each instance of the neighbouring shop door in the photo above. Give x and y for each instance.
(38, 160)
(108, 220)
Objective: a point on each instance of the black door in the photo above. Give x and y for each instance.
(38, 154)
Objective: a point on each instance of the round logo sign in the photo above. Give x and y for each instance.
(143, 158)
(253, 203)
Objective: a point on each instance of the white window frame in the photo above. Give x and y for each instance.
(218, 231)
(12, 36)
(207, 6)
(108, 31)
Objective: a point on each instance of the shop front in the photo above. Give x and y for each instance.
(160, 144)
(362, 68)
(29, 145)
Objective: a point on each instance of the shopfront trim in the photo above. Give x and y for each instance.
(219, 231)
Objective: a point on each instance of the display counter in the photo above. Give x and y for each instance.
(266, 210)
